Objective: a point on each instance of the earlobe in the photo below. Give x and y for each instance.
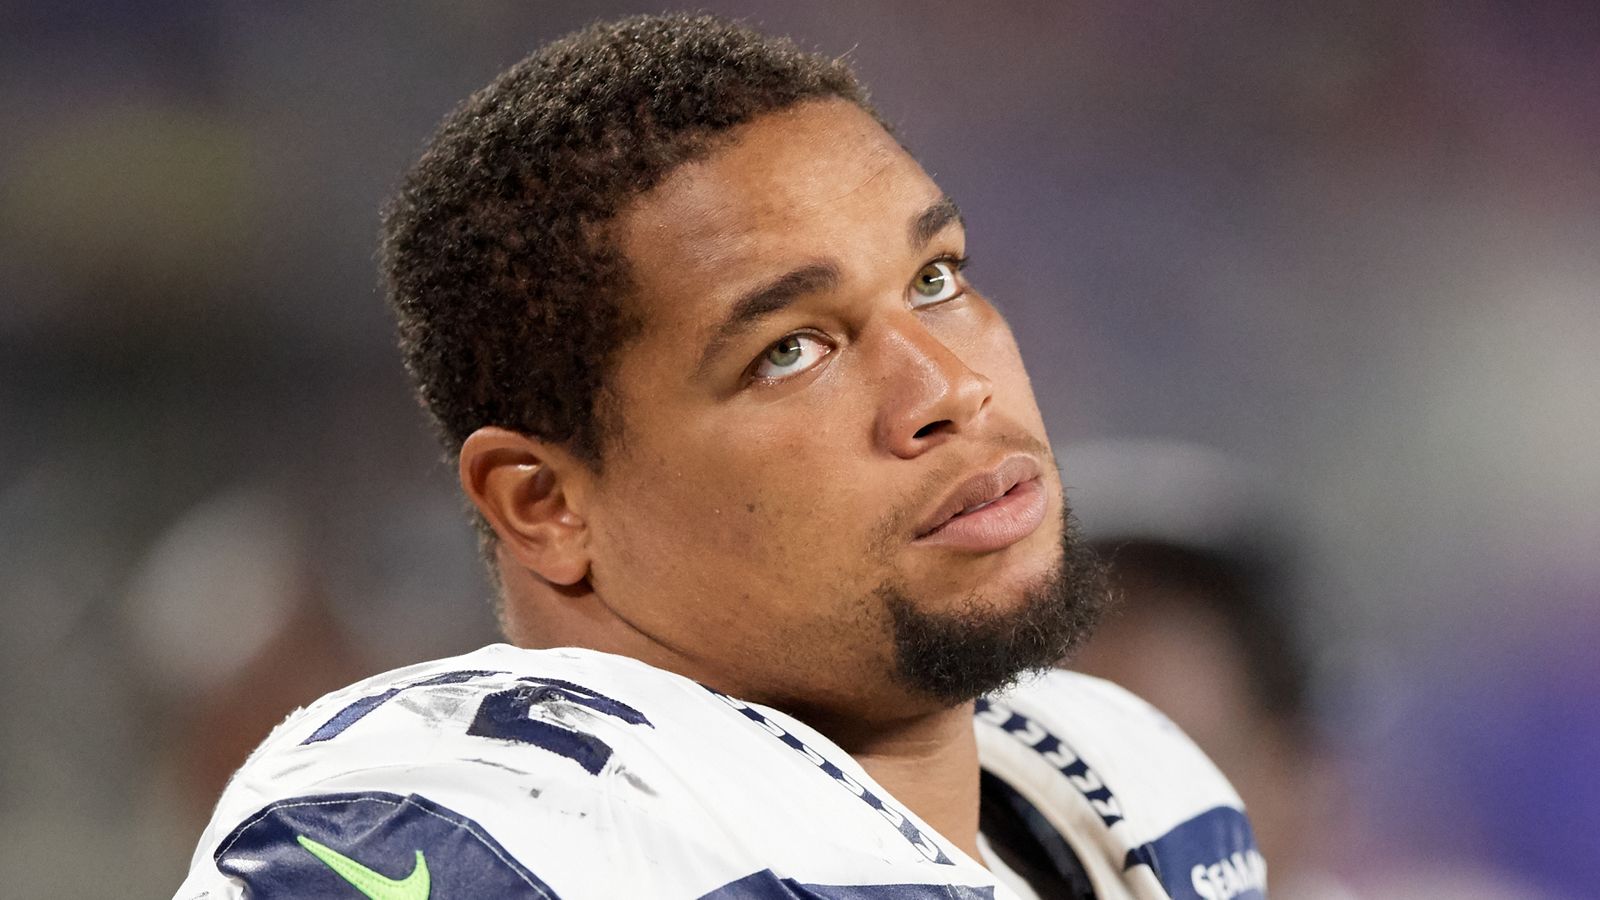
(528, 491)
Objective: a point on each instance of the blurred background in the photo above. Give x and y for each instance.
(1337, 258)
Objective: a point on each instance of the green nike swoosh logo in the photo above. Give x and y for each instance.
(415, 886)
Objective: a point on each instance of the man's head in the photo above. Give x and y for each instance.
(696, 325)
(502, 268)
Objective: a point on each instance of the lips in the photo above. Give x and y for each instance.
(989, 510)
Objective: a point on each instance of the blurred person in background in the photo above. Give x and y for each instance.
(1212, 623)
(1206, 627)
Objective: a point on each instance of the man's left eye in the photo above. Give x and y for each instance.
(936, 283)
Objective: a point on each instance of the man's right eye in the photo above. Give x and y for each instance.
(789, 355)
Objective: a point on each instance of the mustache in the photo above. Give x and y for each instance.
(900, 520)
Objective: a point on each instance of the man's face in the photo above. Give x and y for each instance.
(815, 387)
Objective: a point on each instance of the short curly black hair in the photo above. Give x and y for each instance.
(507, 285)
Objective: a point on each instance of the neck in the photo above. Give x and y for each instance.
(929, 763)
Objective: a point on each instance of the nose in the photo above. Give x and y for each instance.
(930, 393)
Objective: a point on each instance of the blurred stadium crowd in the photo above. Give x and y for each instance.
(1350, 247)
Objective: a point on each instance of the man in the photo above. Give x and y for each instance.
(748, 450)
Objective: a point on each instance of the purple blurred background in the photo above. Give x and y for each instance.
(1354, 245)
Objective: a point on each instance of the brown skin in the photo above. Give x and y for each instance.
(739, 527)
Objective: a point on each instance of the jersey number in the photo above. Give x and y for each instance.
(507, 715)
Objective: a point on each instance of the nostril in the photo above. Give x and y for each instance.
(930, 428)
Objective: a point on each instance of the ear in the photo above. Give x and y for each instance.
(531, 494)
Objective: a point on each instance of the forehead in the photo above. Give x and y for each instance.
(819, 181)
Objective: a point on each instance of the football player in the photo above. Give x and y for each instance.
(773, 518)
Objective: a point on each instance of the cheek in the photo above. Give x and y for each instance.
(720, 509)
(778, 498)
(980, 337)
(815, 482)
(994, 352)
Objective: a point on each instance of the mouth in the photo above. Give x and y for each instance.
(989, 511)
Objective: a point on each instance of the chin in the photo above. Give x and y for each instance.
(1030, 615)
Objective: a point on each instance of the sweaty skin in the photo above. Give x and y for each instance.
(770, 476)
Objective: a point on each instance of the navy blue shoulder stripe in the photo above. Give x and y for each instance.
(766, 885)
(323, 845)
(1212, 856)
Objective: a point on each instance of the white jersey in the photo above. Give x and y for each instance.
(514, 773)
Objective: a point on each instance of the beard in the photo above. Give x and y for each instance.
(953, 657)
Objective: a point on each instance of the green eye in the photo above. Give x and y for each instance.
(790, 355)
(785, 352)
(935, 283)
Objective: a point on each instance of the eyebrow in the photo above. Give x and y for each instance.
(778, 294)
(767, 299)
(933, 220)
